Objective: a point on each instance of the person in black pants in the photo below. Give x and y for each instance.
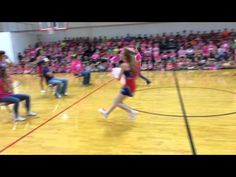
(138, 59)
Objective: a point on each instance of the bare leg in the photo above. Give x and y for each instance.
(116, 103)
(41, 83)
(125, 107)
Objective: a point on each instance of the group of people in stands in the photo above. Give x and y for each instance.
(192, 50)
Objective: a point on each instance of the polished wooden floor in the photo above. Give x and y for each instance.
(73, 125)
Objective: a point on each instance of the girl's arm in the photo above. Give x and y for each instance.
(123, 66)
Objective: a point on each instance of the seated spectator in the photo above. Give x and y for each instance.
(147, 54)
(115, 58)
(102, 67)
(7, 95)
(76, 65)
(211, 47)
(164, 59)
(169, 66)
(205, 52)
(144, 66)
(78, 69)
(198, 55)
(172, 56)
(181, 53)
(61, 83)
(150, 65)
(171, 45)
(156, 54)
(86, 73)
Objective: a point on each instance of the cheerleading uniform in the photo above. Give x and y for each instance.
(130, 85)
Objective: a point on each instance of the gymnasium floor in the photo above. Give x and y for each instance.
(183, 112)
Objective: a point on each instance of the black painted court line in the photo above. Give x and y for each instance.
(184, 114)
(194, 116)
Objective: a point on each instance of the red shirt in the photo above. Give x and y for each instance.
(40, 70)
(3, 93)
(225, 33)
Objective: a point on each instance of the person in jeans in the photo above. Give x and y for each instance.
(86, 73)
(8, 97)
(60, 83)
(78, 69)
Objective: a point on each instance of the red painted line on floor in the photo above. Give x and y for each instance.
(25, 135)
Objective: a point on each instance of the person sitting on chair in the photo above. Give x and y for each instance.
(86, 73)
(8, 97)
(61, 83)
(78, 69)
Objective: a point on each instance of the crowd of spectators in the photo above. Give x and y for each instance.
(180, 51)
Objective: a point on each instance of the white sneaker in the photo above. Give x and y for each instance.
(43, 92)
(58, 95)
(31, 114)
(19, 118)
(103, 112)
(65, 94)
(133, 115)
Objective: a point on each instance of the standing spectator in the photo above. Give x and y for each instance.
(225, 33)
(20, 57)
(138, 58)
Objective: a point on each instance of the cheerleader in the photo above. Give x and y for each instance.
(130, 71)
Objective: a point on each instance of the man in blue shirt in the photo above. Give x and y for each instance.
(61, 83)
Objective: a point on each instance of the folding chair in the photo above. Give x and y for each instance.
(6, 106)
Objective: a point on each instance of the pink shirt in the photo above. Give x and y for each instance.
(181, 53)
(95, 56)
(205, 50)
(55, 67)
(225, 45)
(169, 66)
(76, 66)
(131, 46)
(143, 45)
(156, 50)
(138, 57)
(3, 93)
(114, 59)
(150, 66)
(172, 55)
(147, 52)
(107, 55)
(179, 64)
(164, 55)
(211, 47)
(108, 44)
